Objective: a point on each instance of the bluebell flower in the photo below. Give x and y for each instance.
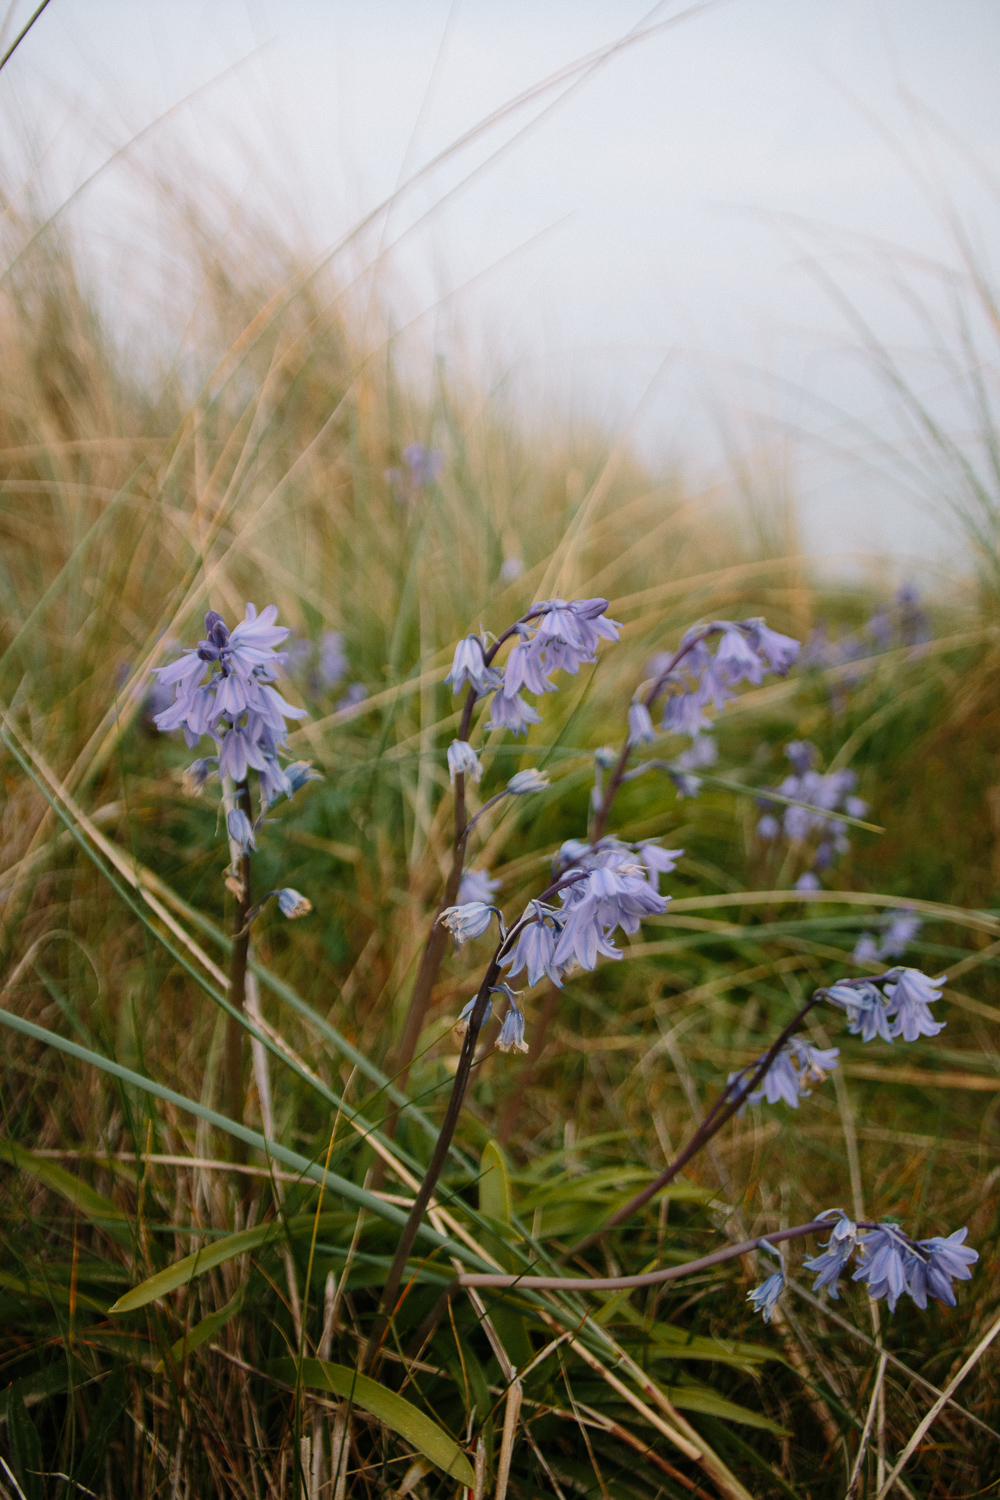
(524, 668)
(238, 752)
(640, 725)
(462, 759)
(424, 464)
(802, 756)
(469, 666)
(241, 830)
(837, 1251)
(568, 633)
(535, 948)
(274, 782)
(514, 713)
(866, 950)
(292, 903)
(657, 861)
(524, 782)
(908, 999)
(333, 664)
(298, 773)
(796, 1067)
(884, 1254)
(765, 1296)
(246, 663)
(470, 920)
(570, 854)
(684, 713)
(867, 1010)
(511, 1038)
(807, 881)
(780, 1082)
(476, 885)
(735, 658)
(197, 774)
(903, 929)
(947, 1260)
(813, 1063)
(768, 827)
(701, 752)
(780, 651)
(511, 568)
(462, 1024)
(583, 937)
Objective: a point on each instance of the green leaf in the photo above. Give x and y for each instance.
(96, 1207)
(413, 1425)
(46, 1291)
(201, 1332)
(183, 1271)
(300, 1226)
(675, 1343)
(494, 1184)
(270, 1149)
(701, 1398)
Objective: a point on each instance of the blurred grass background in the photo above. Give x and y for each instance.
(257, 464)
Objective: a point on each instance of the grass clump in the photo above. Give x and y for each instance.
(267, 461)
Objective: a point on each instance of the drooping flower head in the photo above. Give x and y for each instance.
(223, 688)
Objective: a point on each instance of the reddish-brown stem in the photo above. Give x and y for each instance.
(391, 1289)
(729, 1102)
(647, 1278)
(237, 988)
(437, 940)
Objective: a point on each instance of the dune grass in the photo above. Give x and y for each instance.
(137, 494)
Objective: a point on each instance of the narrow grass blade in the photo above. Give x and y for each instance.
(402, 1416)
(301, 1164)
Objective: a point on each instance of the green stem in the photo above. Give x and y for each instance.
(237, 988)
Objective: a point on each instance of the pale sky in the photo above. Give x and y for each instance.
(666, 214)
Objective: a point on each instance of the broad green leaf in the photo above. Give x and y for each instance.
(96, 1207)
(182, 1271)
(413, 1425)
(675, 1343)
(701, 1398)
(202, 1332)
(494, 1185)
(300, 1226)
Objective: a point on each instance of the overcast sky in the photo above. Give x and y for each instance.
(658, 216)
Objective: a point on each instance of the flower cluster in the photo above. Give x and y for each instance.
(799, 825)
(886, 1260)
(236, 703)
(606, 886)
(893, 1005)
(890, 1263)
(791, 1075)
(553, 636)
(699, 678)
